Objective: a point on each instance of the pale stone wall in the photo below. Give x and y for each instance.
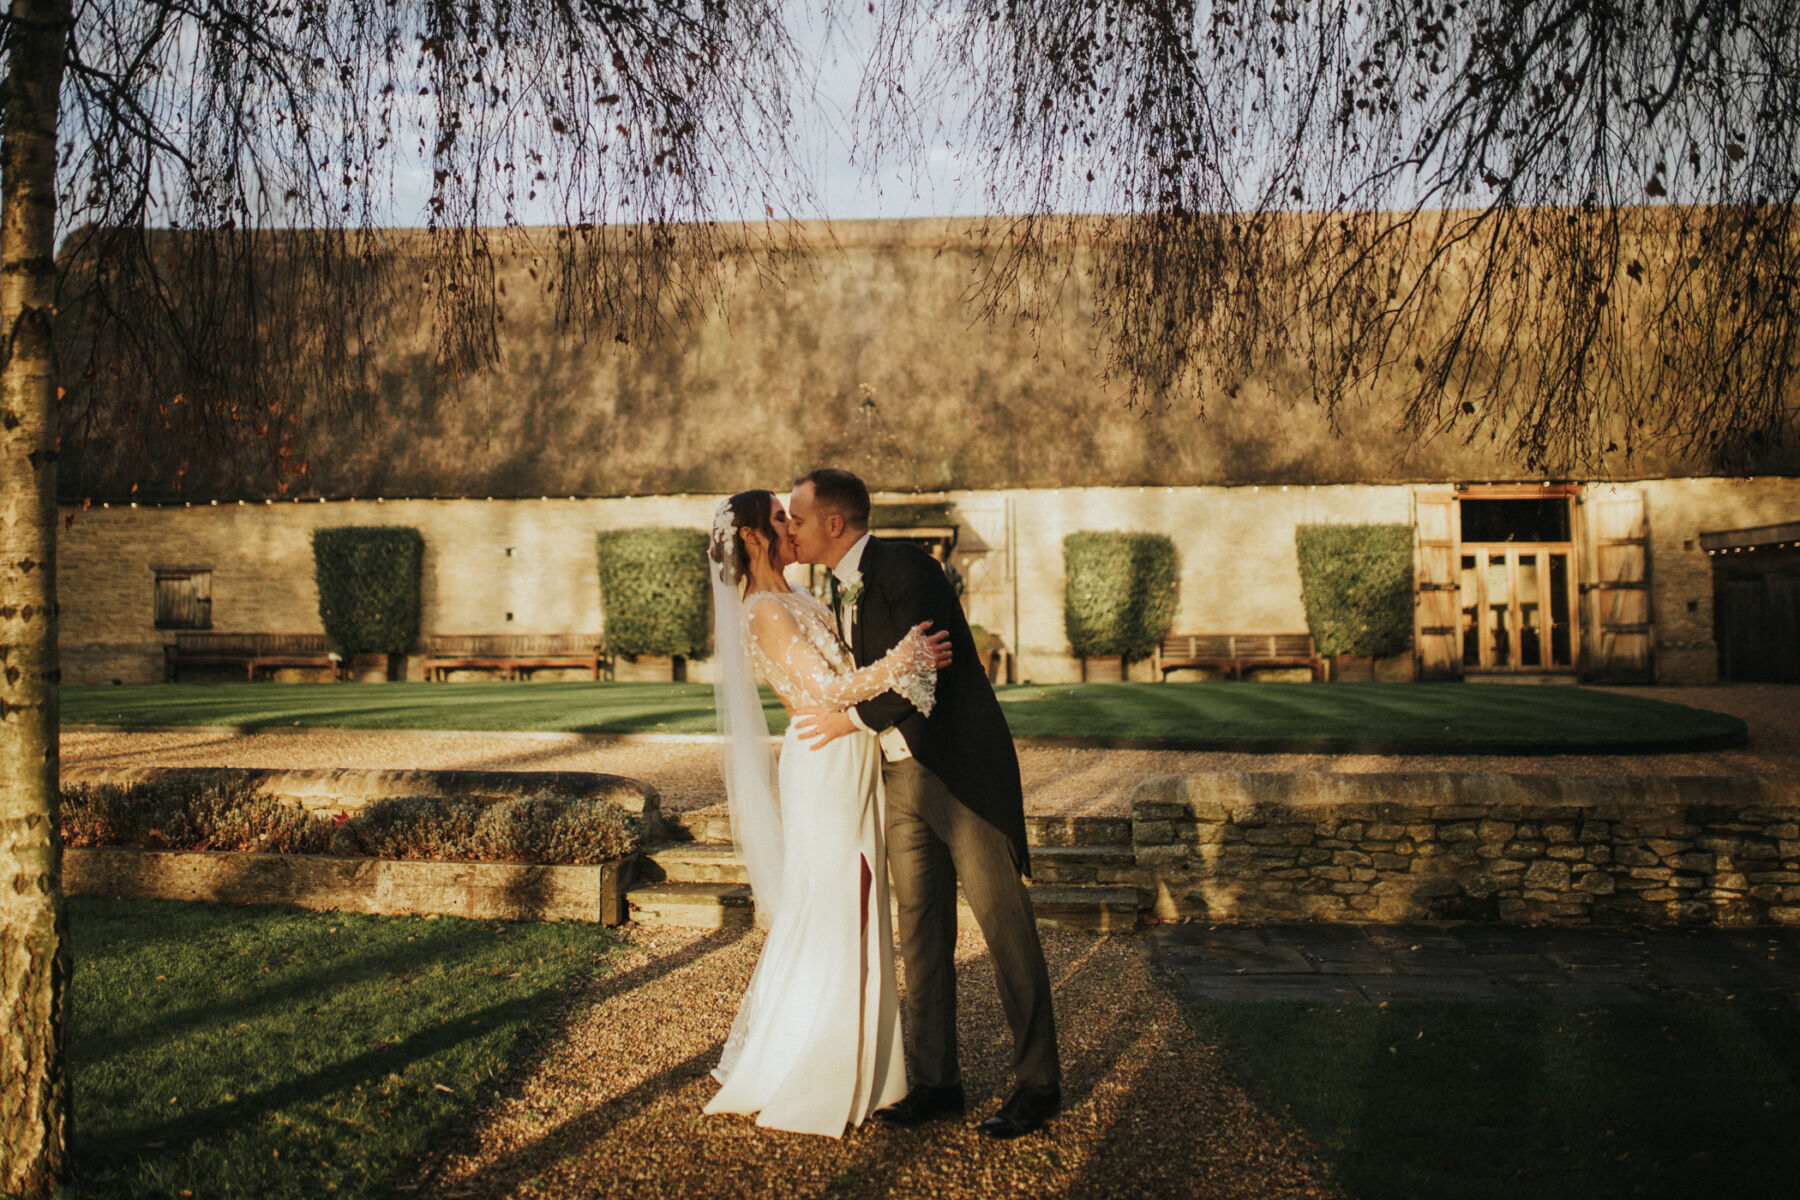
(1239, 570)
(1681, 589)
(262, 564)
(1239, 573)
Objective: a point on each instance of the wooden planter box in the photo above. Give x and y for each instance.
(485, 891)
(650, 668)
(1103, 668)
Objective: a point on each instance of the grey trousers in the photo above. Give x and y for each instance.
(932, 841)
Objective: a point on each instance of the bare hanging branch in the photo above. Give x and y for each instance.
(1565, 226)
(269, 142)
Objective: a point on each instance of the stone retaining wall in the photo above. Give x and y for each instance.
(1513, 848)
(485, 891)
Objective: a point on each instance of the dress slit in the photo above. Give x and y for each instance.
(868, 879)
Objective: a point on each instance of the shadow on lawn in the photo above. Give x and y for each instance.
(300, 977)
(175, 1136)
(1547, 1100)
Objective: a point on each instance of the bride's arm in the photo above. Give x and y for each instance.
(909, 668)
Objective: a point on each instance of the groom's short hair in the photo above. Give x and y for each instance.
(838, 491)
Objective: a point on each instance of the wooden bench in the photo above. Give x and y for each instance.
(518, 655)
(1237, 653)
(252, 651)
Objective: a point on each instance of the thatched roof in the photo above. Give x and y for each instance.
(869, 357)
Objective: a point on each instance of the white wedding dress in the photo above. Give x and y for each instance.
(816, 1042)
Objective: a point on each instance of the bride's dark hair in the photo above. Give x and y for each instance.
(749, 510)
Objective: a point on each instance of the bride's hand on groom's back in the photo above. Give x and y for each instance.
(819, 726)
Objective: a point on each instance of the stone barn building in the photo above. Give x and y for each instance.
(990, 439)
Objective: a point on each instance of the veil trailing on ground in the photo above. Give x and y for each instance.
(745, 757)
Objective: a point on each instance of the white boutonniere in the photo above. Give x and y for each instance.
(851, 593)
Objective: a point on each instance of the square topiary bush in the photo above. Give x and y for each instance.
(654, 593)
(1121, 592)
(368, 577)
(1356, 582)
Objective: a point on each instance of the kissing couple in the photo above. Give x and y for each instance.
(897, 759)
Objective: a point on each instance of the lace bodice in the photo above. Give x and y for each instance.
(794, 647)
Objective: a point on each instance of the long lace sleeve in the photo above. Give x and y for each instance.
(803, 676)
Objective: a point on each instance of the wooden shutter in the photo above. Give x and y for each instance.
(1619, 594)
(184, 599)
(1437, 644)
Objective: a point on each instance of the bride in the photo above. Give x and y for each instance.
(816, 1042)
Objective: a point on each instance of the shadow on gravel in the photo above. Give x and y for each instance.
(1147, 1113)
(574, 1136)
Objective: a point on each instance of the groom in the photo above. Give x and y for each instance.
(954, 809)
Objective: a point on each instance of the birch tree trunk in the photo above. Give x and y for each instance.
(34, 950)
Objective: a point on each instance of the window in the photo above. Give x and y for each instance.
(1506, 520)
(184, 598)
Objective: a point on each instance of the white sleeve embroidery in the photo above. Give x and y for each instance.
(804, 677)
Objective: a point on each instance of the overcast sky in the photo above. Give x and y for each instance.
(945, 185)
(944, 182)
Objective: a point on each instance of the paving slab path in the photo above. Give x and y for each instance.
(1373, 964)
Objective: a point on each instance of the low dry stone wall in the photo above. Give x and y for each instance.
(1512, 848)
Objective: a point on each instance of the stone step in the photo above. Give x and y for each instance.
(693, 862)
(722, 905)
(1095, 909)
(711, 862)
(715, 829)
(705, 828)
(691, 905)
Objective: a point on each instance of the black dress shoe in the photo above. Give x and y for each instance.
(924, 1104)
(1025, 1111)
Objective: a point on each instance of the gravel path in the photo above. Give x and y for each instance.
(611, 1105)
(1058, 782)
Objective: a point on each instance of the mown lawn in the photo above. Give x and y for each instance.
(267, 1052)
(1400, 717)
(1480, 1101)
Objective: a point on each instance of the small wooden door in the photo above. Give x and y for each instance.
(184, 599)
(1619, 593)
(1437, 653)
(1756, 608)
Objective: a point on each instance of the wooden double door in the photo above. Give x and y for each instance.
(1518, 605)
(1514, 581)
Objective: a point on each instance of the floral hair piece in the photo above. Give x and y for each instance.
(724, 541)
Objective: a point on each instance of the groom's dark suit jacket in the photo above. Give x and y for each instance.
(965, 741)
